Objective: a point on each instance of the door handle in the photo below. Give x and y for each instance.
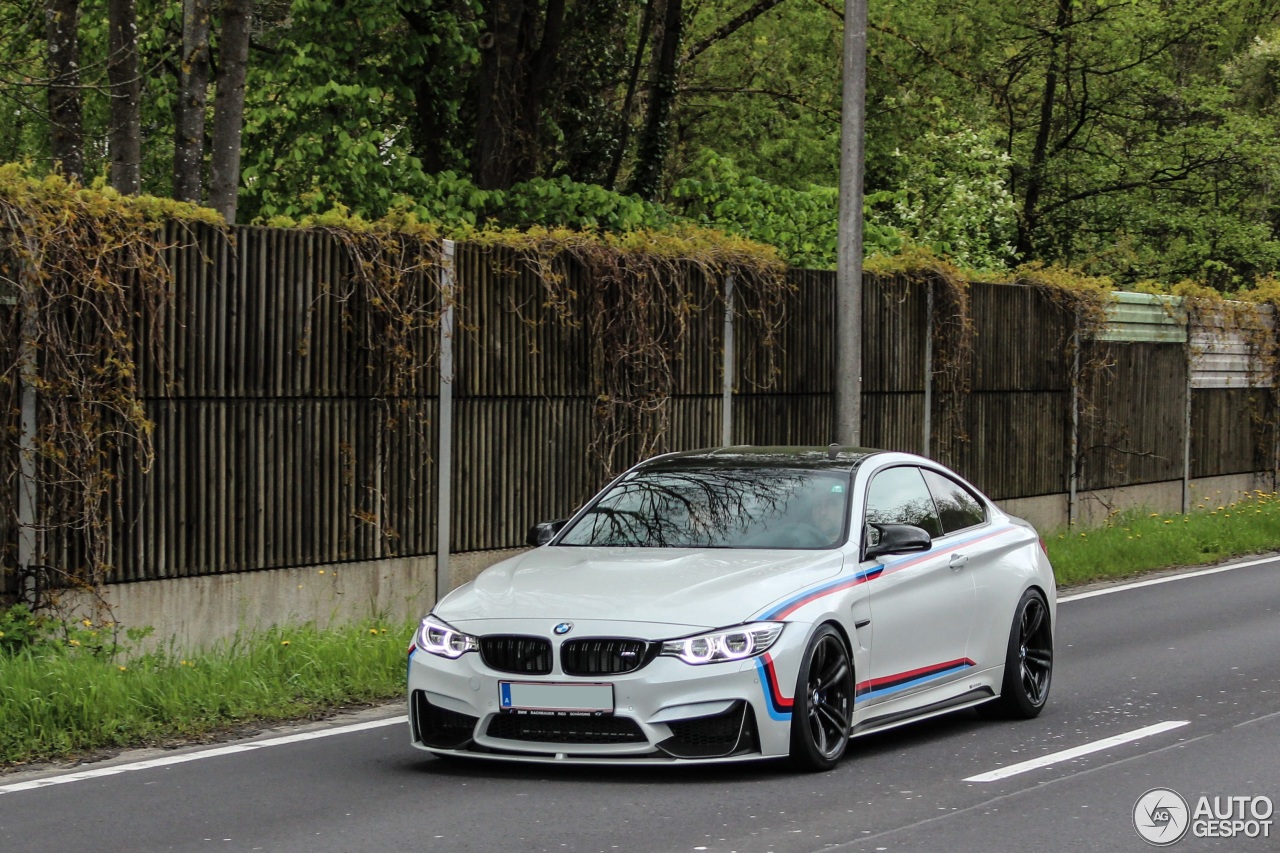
(958, 561)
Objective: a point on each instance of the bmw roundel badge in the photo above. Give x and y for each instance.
(563, 628)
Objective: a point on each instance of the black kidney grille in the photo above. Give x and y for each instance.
(522, 655)
(605, 656)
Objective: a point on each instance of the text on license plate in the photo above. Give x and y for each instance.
(540, 696)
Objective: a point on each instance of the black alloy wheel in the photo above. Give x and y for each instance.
(822, 710)
(1028, 666)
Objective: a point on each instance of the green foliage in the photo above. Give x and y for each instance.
(954, 197)
(802, 224)
(329, 114)
(43, 635)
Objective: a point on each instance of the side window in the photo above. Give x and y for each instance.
(899, 496)
(957, 507)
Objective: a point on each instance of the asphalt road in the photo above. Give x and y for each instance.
(1202, 651)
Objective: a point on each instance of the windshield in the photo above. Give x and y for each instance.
(719, 508)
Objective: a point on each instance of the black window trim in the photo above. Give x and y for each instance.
(973, 493)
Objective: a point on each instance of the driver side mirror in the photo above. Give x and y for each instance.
(884, 539)
(544, 531)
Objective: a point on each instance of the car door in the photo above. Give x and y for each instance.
(921, 603)
(970, 540)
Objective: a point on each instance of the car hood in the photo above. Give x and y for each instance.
(694, 589)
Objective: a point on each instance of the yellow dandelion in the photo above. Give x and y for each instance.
(1154, 515)
(123, 668)
(1, 633)
(74, 642)
(373, 631)
(384, 630)
(88, 623)
(284, 642)
(1167, 521)
(321, 571)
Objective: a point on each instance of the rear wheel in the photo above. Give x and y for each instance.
(1028, 664)
(823, 706)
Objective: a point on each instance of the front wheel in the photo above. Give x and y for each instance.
(822, 710)
(1028, 664)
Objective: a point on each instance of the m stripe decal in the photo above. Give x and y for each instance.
(905, 680)
(791, 605)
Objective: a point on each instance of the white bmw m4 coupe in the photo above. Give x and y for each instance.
(736, 604)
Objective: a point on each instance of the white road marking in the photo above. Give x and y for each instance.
(1094, 593)
(165, 761)
(1076, 752)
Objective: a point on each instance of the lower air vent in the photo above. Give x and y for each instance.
(550, 729)
(732, 732)
(441, 728)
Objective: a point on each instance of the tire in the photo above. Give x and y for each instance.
(1028, 661)
(822, 710)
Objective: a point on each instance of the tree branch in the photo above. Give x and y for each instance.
(729, 28)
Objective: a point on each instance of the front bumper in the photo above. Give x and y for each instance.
(665, 712)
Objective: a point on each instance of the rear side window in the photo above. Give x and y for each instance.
(899, 496)
(957, 506)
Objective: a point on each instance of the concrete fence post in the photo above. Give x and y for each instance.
(928, 370)
(444, 421)
(726, 393)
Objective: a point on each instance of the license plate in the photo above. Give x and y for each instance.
(559, 698)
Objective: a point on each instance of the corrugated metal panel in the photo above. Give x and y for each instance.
(1221, 355)
(1145, 318)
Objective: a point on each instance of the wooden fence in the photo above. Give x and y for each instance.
(274, 449)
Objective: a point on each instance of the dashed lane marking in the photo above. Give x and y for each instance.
(1077, 751)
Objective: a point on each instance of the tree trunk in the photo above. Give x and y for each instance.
(1029, 222)
(66, 133)
(514, 79)
(624, 120)
(228, 107)
(655, 139)
(193, 94)
(122, 77)
(498, 95)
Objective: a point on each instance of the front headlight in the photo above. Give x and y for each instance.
(727, 644)
(438, 638)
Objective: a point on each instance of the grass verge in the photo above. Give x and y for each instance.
(1137, 541)
(56, 702)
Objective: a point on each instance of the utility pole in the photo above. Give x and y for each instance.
(848, 361)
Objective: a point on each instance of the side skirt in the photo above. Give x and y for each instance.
(887, 721)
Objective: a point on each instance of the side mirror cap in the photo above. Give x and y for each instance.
(544, 531)
(896, 539)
